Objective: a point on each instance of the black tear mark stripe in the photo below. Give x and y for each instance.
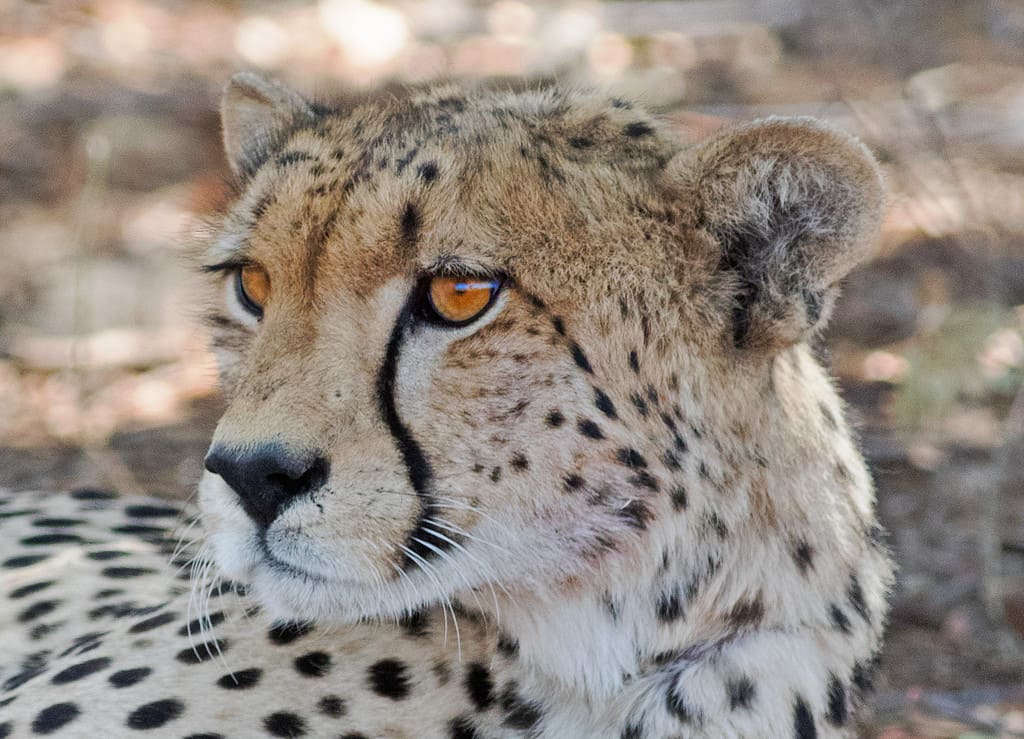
(422, 543)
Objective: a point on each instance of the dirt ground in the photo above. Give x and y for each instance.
(111, 161)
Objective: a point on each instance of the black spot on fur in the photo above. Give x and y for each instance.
(428, 172)
(645, 479)
(589, 429)
(676, 706)
(633, 731)
(508, 646)
(741, 692)
(202, 652)
(679, 499)
(29, 589)
(635, 513)
(332, 706)
(57, 523)
(105, 555)
(119, 573)
(462, 728)
(92, 494)
(840, 621)
(554, 419)
(804, 556)
(410, 225)
(55, 717)
(480, 686)
(580, 358)
(714, 523)
(127, 678)
(16, 514)
(200, 624)
(496, 474)
(406, 159)
(580, 142)
(639, 403)
(293, 157)
(634, 362)
(38, 610)
(136, 529)
(27, 560)
(519, 462)
(417, 624)
(388, 678)
(631, 458)
(638, 129)
(152, 623)
(747, 613)
(314, 664)
(47, 539)
(284, 723)
(604, 403)
(82, 669)
(855, 594)
(863, 675)
(573, 482)
(261, 206)
(286, 633)
(803, 721)
(519, 713)
(670, 606)
(150, 511)
(156, 714)
(837, 711)
(240, 679)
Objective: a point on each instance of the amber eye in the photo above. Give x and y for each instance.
(457, 301)
(252, 284)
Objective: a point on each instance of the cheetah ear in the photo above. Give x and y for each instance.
(256, 114)
(793, 204)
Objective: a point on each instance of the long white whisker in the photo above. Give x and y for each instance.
(428, 570)
(483, 567)
(444, 555)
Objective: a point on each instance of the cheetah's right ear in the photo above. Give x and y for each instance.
(793, 204)
(256, 114)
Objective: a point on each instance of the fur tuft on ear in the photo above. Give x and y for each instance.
(256, 114)
(793, 204)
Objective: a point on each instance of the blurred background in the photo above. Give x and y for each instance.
(110, 156)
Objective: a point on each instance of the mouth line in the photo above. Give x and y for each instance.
(281, 567)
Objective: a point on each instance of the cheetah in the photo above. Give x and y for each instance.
(524, 437)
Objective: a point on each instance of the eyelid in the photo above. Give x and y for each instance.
(228, 265)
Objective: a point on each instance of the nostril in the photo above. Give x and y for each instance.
(267, 477)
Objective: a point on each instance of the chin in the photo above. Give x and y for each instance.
(289, 594)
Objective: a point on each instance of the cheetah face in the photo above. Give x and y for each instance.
(445, 322)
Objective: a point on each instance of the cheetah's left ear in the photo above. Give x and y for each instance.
(793, 204)
(256, 114)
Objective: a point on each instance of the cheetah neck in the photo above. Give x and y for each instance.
(583, 645)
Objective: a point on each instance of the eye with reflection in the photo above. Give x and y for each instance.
(252, 286)
(458, 301)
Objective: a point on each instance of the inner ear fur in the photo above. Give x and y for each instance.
(793, 204)
(256, 115)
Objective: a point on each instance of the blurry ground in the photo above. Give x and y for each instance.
(109, 156)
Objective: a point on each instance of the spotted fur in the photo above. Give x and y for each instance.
(623, 502)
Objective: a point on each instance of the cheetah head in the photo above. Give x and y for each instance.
(467, 339)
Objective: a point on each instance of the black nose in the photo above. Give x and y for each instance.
(267, 477)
